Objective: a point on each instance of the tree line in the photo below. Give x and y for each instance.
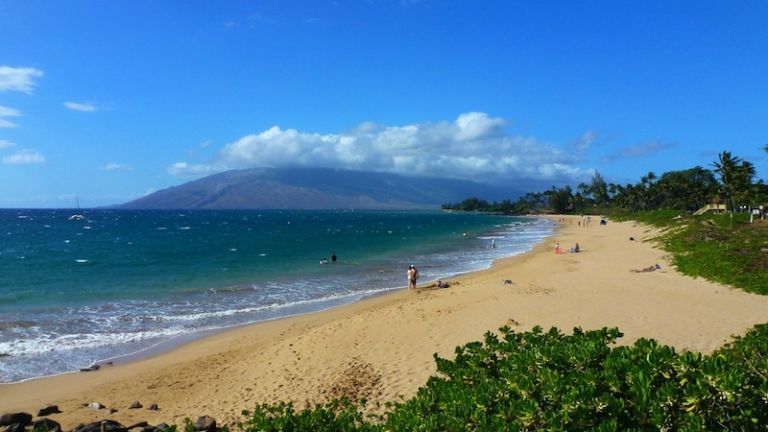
(731, 181)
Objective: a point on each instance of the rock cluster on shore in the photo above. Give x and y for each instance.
(22, 422)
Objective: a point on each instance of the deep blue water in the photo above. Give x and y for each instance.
(73, 292)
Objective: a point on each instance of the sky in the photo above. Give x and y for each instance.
(103, 102)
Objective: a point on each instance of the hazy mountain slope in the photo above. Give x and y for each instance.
(314, 188)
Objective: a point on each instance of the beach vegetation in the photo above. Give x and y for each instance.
(731, 182)
(548, 380)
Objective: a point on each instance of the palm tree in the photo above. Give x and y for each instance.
(727, 167)
(744, 174)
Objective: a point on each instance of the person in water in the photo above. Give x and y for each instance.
(333, 257)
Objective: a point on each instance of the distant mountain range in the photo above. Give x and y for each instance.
(316, 188)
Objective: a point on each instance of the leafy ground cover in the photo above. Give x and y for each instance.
(550, 381)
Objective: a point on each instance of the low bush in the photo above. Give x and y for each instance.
(551, 381)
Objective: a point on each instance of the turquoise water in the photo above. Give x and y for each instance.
(74, 292)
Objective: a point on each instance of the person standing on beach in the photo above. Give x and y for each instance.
(412, 275)
(333, 257)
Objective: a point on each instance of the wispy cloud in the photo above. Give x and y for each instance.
(582, 144)
(4, 144)
(8, 112)
(473, 146)
(113, 166)
(80, 106)
(184, 169)
(18, 78)
(641, 150)
(24, 157)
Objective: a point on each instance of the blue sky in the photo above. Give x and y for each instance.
(111, 100)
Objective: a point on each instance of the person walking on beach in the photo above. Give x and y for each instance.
(412, 275)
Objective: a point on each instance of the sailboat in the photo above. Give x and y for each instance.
(77, 216)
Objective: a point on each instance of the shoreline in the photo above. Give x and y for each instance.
(294, 309)
(381, 347)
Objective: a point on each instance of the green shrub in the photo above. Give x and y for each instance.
(550, 381)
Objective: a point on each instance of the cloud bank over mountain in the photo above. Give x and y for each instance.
(473, 146)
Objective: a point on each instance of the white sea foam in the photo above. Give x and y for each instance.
(45, 343)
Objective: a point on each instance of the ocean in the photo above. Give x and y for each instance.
(117, 283)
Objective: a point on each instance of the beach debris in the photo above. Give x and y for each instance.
(15, 418)
(95, 405)
(5, 354)
(136, 405)
(112, 410)
(513, 322)
(46, 424)
(205, 423)
(507, 282)
(153, 407)
(48, 410)
(91, 368)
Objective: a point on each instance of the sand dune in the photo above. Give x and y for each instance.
(381, 348)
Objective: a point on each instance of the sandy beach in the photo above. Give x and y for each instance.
(381, 348)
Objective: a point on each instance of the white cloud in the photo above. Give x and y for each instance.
(8, 112)
(183, 169)
(24, 157)
(80, 106)
(474, 146)
(4, 144)
(113, 166)
(18, 79)
(6, 124)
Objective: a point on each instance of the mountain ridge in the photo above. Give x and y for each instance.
(315, 188)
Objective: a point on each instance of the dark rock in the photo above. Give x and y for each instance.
(142, 424)
(149, 429)
(5, 354)
(162, 426)
(111, 426)
(46, 425)
(48, 410)
(101, 426)
(112, 410)
(13, 418)
(205, 423)
(16, 427)
(153, 407)
(136, 405)
(91, 368)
